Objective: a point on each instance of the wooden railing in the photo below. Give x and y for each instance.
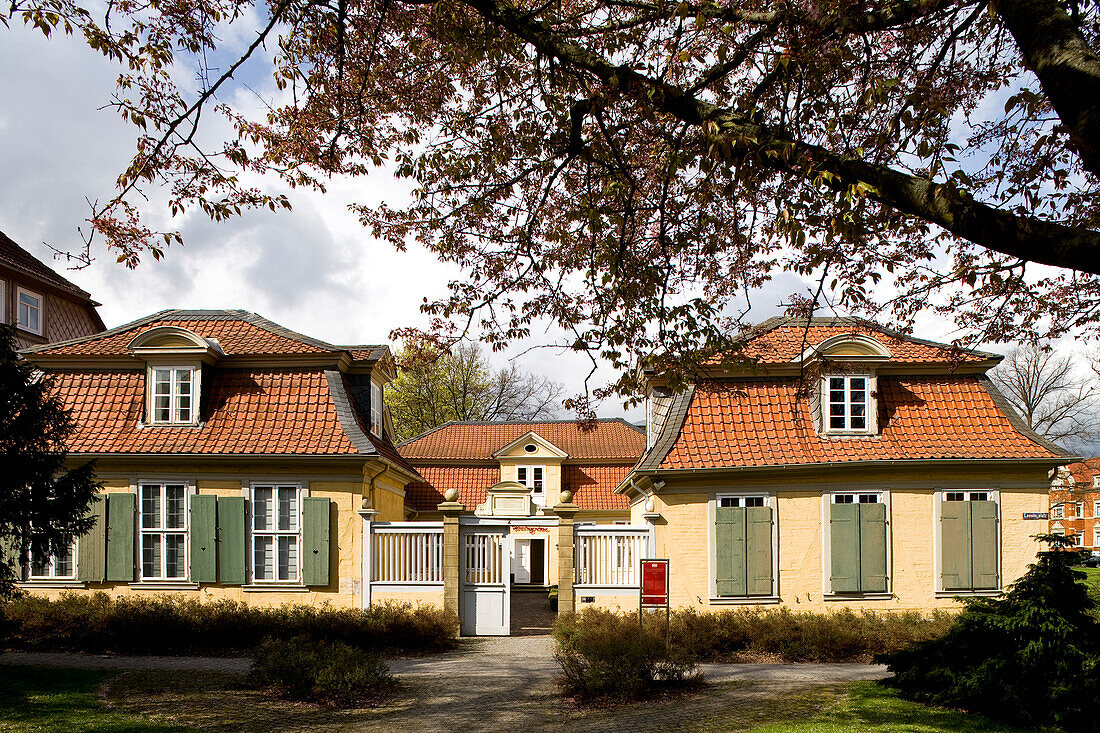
(407, 553)
(609, 555)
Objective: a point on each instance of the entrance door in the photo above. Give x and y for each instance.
(485, 608)
(521, 561)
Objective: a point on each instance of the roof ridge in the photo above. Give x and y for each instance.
(449, 423)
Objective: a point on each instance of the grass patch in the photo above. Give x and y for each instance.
(65, 701)
(868, 706)
(1092, 577)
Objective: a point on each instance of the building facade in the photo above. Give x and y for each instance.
(1075, 504)
(42, 305)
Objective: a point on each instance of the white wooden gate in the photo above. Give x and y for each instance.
(484, 574)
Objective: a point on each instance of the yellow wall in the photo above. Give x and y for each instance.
(684, 535)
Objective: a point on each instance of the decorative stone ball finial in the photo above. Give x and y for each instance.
(566, 497)
(450, 495)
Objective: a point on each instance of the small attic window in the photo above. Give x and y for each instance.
(173, 395)
(530, 447)
(847, 400)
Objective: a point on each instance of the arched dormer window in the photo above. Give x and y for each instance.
(848, 396)
(173, 376)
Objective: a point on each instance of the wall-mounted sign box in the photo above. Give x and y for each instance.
(1036, 515)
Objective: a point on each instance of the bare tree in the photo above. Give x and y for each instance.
(1051, 395)
(435, 386)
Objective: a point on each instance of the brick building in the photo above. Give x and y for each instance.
(1075, 503)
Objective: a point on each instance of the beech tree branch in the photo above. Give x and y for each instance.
(1067, 67)
(731, 135)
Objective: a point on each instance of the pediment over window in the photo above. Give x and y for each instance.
(175, 341)
(530, 445)
(848, 347)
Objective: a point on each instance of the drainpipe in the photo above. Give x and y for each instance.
(370, 494)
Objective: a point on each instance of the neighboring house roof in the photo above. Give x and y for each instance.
(781, 340)
(237, 332)
(19, 259)
(1084, 471)
(765, 422)
(604, 439)
(592, 486)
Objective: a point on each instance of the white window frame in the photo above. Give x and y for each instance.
(163, 530)
(537, 493)
(826, 404)
(770, 500)
(1079, 508)
(41, 308)
(1078, 539)
(828, 497)
(173, 394)
(377, 395)
(1096, 509)
(52, 564)
(1096, 535)
(1058, 512)
(992, 494)
(275, 533)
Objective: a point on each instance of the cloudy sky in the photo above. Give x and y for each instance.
(314, 269)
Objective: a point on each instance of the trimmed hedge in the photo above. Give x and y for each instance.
(331, 673)
(165, 624)
(840, 636)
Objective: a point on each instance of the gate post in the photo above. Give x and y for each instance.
(450, 510)
(566, 510)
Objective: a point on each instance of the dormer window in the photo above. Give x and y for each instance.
(376, 408)
(173, 395)
(531, 477)
(848, 399)
(29, 313)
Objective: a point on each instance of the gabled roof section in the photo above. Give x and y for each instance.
(237, 332)
(611, 439)
(531, 437)
(593, 486)
(781, 340)
(19, 259)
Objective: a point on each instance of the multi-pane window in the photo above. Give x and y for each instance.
(1055, 511)
(967, 496)
(856, 498)
(376, 408)
(163, 531)
(848, 399)
(740, 501)
(47, 565)
(276, 533)
(1078, 539)
(531, 477)
(29, 313)
(1096, 535)
(173, 395)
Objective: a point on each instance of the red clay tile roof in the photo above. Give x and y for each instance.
(236, 331)
(592, 486)
(1084, 471)
(750, 423)
(247, 411)
(17, 258)
(783, 339)
(608, 439)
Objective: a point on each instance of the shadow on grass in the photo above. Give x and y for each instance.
(870, 706)
(43, 699)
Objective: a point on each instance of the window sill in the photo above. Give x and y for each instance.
(858, 596)
(992, 593)
(47, 583)
(849, 434)
(164, 585)
(275, 588)
(744, 600)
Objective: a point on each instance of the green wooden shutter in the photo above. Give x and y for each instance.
(955, 545)
(232, 523)
(9, 555)
(315, 538)
(758, 550)
(120, 537)
(91, 548)
(730, 551)
(983, 544)
(844, 547)
(872, 547)
(204, 548)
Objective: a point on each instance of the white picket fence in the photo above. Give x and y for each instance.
(407, 553)
(609, 555)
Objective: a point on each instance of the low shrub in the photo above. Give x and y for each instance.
(164, 624)
(840, 636)
(331, 673)
(1031, 657)
(605, 656)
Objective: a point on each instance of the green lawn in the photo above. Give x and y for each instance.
(872, 707)
(1093, 578)
(66, 701)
